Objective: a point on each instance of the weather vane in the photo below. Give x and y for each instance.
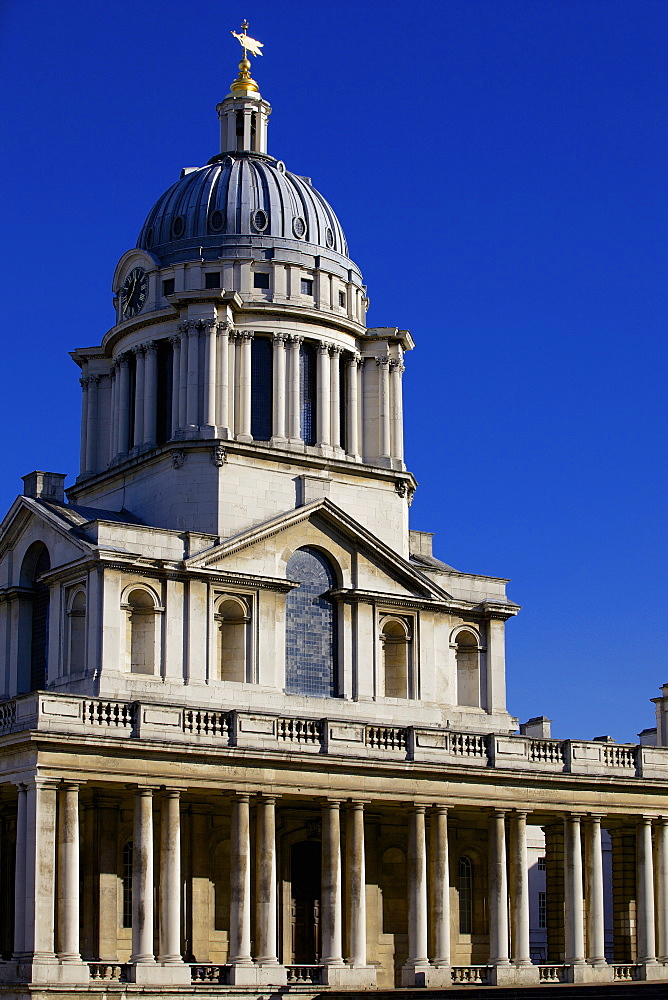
(246, 42)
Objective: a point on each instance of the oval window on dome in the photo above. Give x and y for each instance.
(298, 226)
(280, 166)
(260, 220)
(149, 238)
(178, 226)
(228, 162)
(216, 220)
(329, 238)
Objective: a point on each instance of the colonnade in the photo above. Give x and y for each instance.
(211, 381)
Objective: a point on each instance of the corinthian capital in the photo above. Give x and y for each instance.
(382, 362)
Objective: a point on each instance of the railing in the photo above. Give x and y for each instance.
(551, 973)
(386, 737)
(619, 756)
(467, 745)
(7, 714)
(107, 972)
(470, 975)
(207, 973)
(304, 974)
(202, 723)
(546, 751)
(299, 730)
(119, 714)
(624, 973)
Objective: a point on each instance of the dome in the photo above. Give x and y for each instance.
(246, 198)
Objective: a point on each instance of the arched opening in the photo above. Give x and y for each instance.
(76, 620)
(465, 890)
(305, 874)
(233, 620)
(261, 388)
(141, 632)
(33, 644)
(395, 639)
(310, 645)
(468, 669)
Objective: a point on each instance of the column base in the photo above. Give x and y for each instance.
(357, 977)
(514, 975)
(70, 973)
(419, 974)
(652, 970)
(257, 975)
(589, 973)
(154, 974)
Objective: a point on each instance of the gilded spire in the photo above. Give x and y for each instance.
(245, 85)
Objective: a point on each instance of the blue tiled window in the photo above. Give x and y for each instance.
(310, 643)
(261, 388)
(308, 392)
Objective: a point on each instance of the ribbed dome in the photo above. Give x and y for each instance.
(240, 195)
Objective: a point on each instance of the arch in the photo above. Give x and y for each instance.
(311, 626)
(233, 620)
(76, 632)
(395, 637)
(33, 639)
(465, 894)
(467, 654)
(141, 631)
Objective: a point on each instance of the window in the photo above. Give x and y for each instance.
(310, 645)
(141, 632)
(307, 286)
(261, 279)
(395, 640)
(308, 381)
(33, 609)
(212, 279)
(233, 619)
(465, 880)
(126, 881)
(542, 910)
(468, 670)
(541, 865)
(342, 300)
(76, 620)
(168, 286)
(262, 363)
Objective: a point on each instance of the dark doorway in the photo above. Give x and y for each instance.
(305, 873)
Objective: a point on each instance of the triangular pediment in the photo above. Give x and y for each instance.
(29, 517)
(366, 563)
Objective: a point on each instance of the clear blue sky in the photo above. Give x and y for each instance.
(499, 169)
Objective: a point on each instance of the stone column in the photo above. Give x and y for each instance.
(20, 872)
(138, 352)
(352, 407)
(324, 389)
(661, 831)
(417, 963)
(244, 415)
(192, 390)
(183, 376)
(113, 410)
(232, 375)
(124, 405)
(280, 395)
(68, 873)
(40, 871)
(91, 424)
(170, 878)
(83, 450)
(521, 954)
(210, 335)
(645, 868)
(440, 883)
(222, 416)
(331, 884)
(294, 395)
(594, 893)
(498, 891)
(265, 883)
(150, 392)
(384, 448)
(356, 885)
(240, 884)
(335, 396)
(142, 879)
(175, 341)
(397, 422)
(574, 908)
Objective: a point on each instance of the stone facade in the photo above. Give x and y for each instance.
(253, 733)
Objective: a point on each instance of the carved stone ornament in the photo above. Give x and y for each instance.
(218, 455)
(402, 488)
(178, 458)
(313, 829)
(411, 494)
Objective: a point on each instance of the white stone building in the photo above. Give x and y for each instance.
(253, 732)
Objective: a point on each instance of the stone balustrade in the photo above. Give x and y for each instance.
(42, 711)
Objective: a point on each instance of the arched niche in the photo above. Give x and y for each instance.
(142, 635)
(233, 620)
(33, 619)
(76, 632)
(395, 638)
(467, 654)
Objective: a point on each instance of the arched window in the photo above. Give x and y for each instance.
(395, 640)
(126, 882)
(468, 669)
(310, 645)
(261, 388)
(233, 620)
(465, 886)
(308, 392)
(76, 623)
(141, 632)
(33, 638)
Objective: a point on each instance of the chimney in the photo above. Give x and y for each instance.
(539, 728)
(420, 543)
(45, 486)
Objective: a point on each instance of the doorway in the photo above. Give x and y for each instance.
(305, 862)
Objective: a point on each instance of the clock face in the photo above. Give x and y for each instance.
(134, 292)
